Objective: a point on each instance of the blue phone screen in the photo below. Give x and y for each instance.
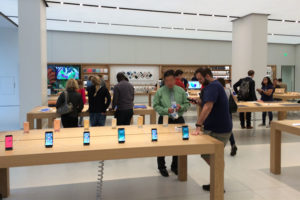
(49, 139)
(185, 132)
(154, 134)
(86, 138)
(121, 133)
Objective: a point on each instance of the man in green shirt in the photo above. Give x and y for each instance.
(170, 100)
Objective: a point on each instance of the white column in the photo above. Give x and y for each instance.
(297, 69)
(249, 47)
(32, 55)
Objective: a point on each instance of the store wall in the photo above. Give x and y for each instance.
(9, 79)
(117, 49)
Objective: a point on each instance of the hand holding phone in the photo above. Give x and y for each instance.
(154, 134)
(192, 100)
(121, 135)
(86, 138)
(49, 139)
(8, 142)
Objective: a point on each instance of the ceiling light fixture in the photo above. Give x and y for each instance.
(213, 15)
(80, 4)
(61, 2)
(283, 20)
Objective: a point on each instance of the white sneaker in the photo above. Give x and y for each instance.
(268, 126)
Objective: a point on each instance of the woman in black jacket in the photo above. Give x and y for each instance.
(99, 101)
(71, 119)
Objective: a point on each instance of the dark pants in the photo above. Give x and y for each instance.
(69, 122)
(248, 119)
(161, 160)
(124, 116)
(264, 116)
(232, 140)
(97, 119)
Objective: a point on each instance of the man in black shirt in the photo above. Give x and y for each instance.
(246, 92)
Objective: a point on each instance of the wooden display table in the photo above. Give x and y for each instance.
(288, 126)
(38, 115)
(287, 96)
(281, 107)
(68, 147)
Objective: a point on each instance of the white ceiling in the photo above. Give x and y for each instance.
(118, 20)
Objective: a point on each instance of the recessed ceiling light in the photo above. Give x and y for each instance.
(61, 2)
(272, 33)
(283, 20)
(80, 4)
(297, 21)
(99, 6)
(213, 15)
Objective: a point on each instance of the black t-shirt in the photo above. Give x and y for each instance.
(218, 120)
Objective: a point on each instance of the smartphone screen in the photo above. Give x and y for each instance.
(86, 138)
(121, 135)
(49, 139)
(185, 132)
(9, 142)
(154, 134)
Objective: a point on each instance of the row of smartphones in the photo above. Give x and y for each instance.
(86, 137)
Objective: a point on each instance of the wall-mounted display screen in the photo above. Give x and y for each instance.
(67, 72)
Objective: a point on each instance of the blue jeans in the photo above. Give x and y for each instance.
(97, 119)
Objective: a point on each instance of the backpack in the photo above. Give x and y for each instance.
(244, 90)
(66, 108)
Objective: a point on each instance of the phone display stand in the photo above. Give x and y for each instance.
(165, 120)
(57, 125)
(140, 121)
(86, 124)
(26, 127)
(114, 123)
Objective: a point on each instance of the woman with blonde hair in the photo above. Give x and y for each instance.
(99, 101)
(71, 96)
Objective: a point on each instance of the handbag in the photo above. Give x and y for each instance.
(66, 108)
(232, 104)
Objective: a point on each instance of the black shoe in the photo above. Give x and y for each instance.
(243, 127)
(233, 150)
(175, 171)
(164, 172)
(249, 127)
(206, 187)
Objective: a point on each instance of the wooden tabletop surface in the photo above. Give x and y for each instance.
(102, 147)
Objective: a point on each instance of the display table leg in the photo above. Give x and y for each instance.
(143, 118)
(31, 121)
(50, 122)
(217, 173)
(153, 117)
(182, 168)
(275, 150)
(39, 123)
(282, 115)
(4, 182)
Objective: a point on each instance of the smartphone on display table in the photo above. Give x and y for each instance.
(8, 142)
(49, 139)
(86, 138)
(185, 132)
(121, 135)
(154, 134)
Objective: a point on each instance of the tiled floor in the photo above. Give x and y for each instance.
(247, 175)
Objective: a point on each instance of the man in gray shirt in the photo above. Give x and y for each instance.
(123, 100)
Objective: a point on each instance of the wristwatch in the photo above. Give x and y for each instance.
(199, 125)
